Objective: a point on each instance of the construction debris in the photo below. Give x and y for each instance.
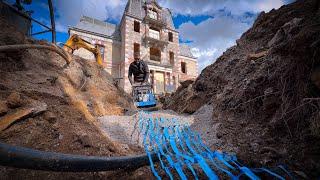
(14, 100)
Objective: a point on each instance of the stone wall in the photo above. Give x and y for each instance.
(191, 67)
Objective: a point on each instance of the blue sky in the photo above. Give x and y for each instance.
(208, 26)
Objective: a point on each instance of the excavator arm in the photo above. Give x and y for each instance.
(75, 42)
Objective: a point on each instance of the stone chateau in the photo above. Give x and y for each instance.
(145, 28)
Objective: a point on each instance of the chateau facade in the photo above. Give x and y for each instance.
(145, 28)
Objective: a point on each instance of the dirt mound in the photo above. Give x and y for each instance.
(73, 97)
(262, 92)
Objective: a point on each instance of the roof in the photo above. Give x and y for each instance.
(95, 26)
(185, 50)
(135, 9)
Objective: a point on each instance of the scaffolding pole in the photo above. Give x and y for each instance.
(53, 24)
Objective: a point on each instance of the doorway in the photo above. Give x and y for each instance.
(159, 82)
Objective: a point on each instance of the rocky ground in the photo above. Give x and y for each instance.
(262, 95)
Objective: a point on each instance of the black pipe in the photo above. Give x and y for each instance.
(25, 158)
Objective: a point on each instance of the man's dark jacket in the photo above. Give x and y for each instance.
(139, 69)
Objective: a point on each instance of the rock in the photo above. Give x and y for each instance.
(60, 137)
(39, 108)
(256, 56)
(85, 140)
(3, 108)
(277, 38)
(14, 100)
(219, 135)
(38, 123)
(284, 31)
(271, 153)
(98, 108)
(268, 91)
(50, 117)
(186, 83)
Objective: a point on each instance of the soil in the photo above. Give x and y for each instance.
(75, 96)
(264, 92)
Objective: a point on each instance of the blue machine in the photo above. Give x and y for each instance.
(143, 96)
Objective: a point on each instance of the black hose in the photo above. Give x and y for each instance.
(25, 158)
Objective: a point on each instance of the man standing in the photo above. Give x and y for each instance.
(140, 71)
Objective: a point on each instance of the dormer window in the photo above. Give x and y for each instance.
(183, 67)
(170, 35)
(153, 14)
(171, 56)
(136, 26)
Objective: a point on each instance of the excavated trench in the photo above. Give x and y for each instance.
(175, 149)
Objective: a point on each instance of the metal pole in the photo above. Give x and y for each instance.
(53, 24)
(42, 32)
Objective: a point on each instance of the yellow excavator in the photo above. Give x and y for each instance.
(75, 42)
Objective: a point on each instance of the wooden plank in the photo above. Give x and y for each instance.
(21, 114)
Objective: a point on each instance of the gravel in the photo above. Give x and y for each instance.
(205, 126)
(125, 129)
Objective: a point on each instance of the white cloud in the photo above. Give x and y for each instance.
(194, 7)
(69, 12)
(212, 37)
(197, 52)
